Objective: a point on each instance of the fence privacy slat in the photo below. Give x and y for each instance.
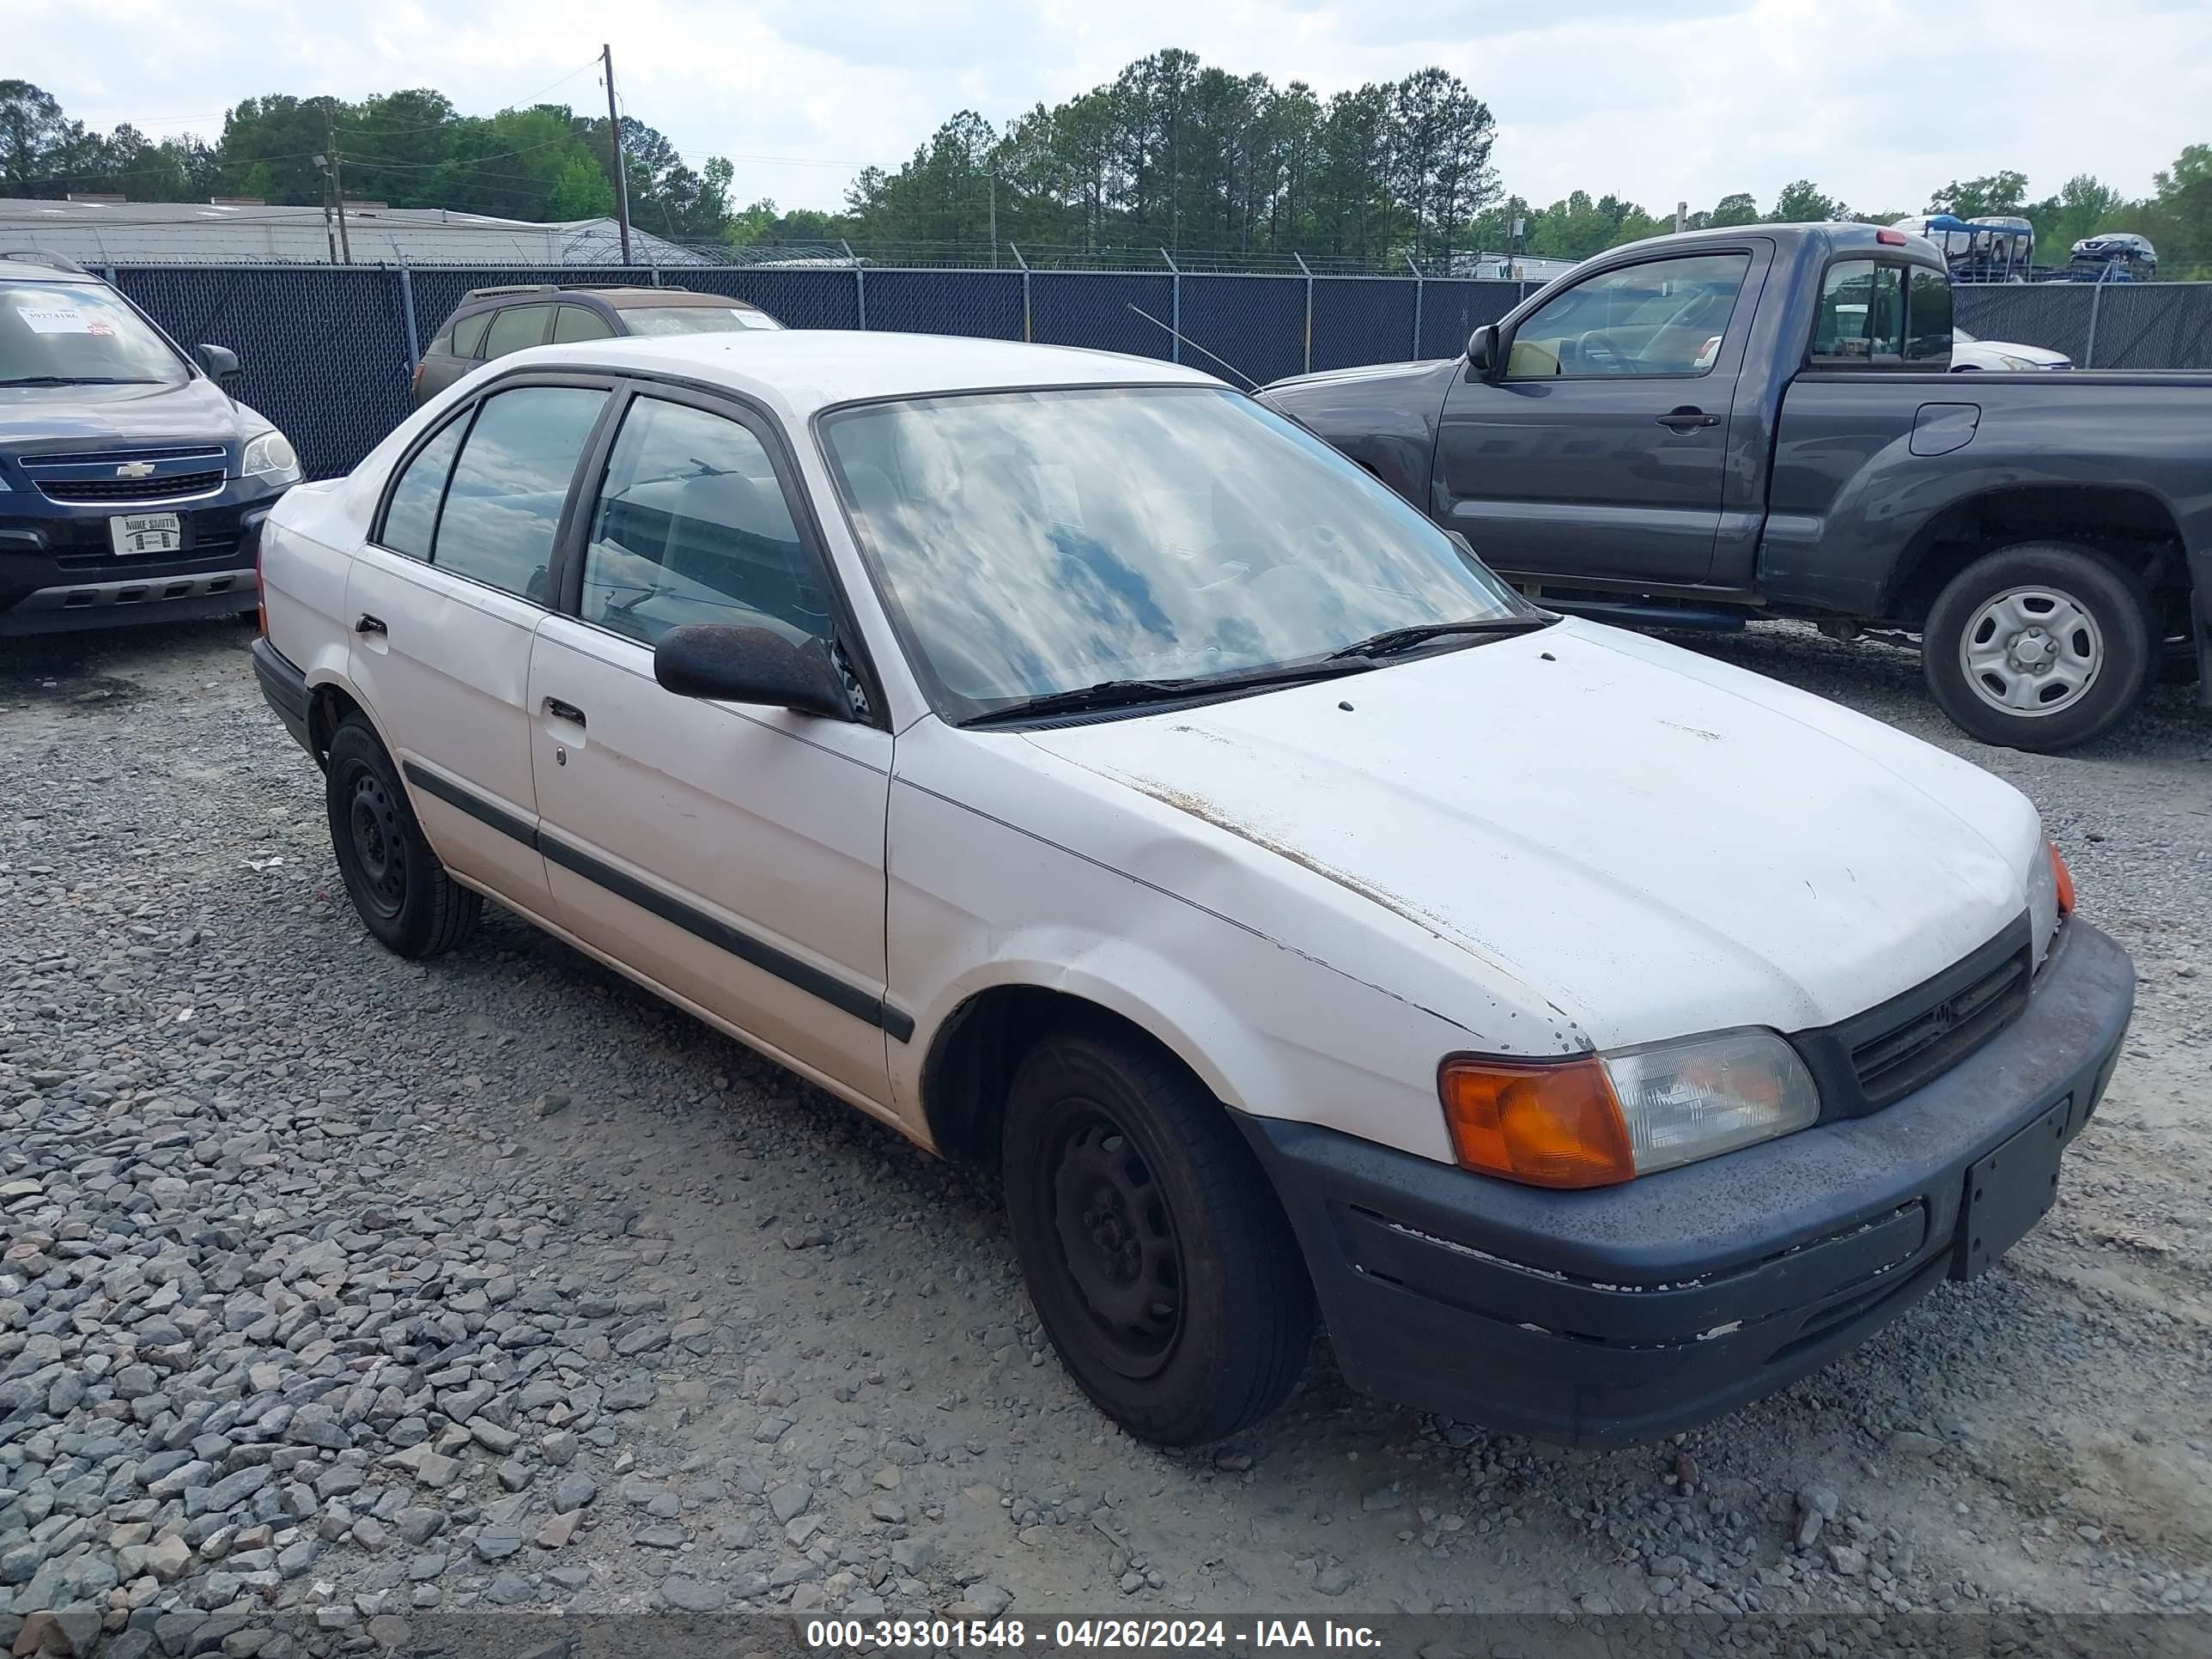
(327, 351)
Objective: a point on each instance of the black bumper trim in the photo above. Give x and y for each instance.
(1607, 1317)
(285, 690)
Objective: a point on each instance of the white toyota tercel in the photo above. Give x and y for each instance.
(1086, 771)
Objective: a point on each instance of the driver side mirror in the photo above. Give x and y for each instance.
(725, 663)
(1484, 354)
(219, 364)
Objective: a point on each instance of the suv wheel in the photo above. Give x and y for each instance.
(395, 883)
(1153, 1248)
(2040, 646)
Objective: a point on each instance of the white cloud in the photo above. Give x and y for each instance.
(1879, 102)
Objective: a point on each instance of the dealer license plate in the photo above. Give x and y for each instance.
(148, 532)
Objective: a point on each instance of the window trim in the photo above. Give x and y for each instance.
(1753, 268)
(567, 569)
(467, 411)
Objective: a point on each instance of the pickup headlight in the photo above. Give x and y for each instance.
(269, 455)
(1603, 1118)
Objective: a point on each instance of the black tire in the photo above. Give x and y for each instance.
(398, 886)
(1176, 1296)
(2109, 629)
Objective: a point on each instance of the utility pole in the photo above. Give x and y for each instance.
(615, 143)
(1681, 217)
(337, 180)
(994, 222)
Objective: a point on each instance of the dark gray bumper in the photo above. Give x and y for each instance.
(1608, 1317)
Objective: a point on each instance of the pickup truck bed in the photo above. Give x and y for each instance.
(1715, 445)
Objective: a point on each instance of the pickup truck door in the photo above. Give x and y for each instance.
(1599, 447)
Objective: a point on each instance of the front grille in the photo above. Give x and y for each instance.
(177, 486)
(210, 552)
(201, 453)
(1929, 1039)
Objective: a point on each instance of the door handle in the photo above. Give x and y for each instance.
(564, 711)
(369, 624)
(1687, 417)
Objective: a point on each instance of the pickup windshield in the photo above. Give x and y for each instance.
(1035, 542)
(78, 333)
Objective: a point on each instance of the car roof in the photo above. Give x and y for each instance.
(800, 371)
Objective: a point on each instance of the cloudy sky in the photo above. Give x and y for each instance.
(1879, 102)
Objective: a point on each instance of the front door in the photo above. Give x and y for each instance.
(734, 854)
(1600, 449)
(444, 601)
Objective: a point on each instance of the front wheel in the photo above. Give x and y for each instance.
(2040, 646)
(1154, 1249)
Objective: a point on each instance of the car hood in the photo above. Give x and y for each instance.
(58, 419)
(1992, 349)
(1351, 376)
(1651, 842)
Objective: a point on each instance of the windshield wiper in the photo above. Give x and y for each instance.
(1394, 640)
(1119, 694)
(74, 380)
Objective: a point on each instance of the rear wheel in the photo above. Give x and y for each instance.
(2040, 646)
(1152, 1246)
(395, 883)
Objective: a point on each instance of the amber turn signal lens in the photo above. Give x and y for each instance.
(2062, 878)
(1554, 1123)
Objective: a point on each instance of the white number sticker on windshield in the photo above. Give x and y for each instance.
(55, 319)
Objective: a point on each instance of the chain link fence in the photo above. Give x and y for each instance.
(328, 351)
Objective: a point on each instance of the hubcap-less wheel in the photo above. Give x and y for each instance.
(378, 846)
(1118, 1241)
(2032, 651)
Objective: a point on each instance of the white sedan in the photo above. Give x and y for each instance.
(1968, 354)
(1088, 773)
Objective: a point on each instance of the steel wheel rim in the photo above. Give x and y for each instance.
(380, 846)
(2032, 651)
(1119, 1250)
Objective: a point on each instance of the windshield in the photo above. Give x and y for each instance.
(695, 320)
(1038, 542)
(79, 332)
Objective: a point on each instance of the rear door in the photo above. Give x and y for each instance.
(1601, 448)
(444, 600)
(732, 853)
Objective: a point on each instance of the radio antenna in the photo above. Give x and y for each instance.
(1194, 346)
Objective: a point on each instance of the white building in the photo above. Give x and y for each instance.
(103, 233)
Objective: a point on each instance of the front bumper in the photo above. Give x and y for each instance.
(58, 569)
(1610, 1317)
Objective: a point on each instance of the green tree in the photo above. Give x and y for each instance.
(1804, 202)
(1996, 195)
(581, 190)
(1740, 208)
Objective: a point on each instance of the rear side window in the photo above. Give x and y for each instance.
(1928, 318)
(580, 322)
(509, 483)
(410, 518)
(469, 333)
(440, 347)
(514, 328)
(1861, 321)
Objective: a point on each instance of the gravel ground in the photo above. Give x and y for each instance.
(336, 1289)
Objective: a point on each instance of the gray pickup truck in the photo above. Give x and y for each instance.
(1700, 430)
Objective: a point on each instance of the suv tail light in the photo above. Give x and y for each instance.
(416, 385)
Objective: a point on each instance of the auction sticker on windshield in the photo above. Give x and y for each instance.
(55, 319)
(147, 532)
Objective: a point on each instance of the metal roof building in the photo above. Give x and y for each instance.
(103, 233)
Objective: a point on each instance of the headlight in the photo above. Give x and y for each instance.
(2020, 364)
(1603, 1118)
(270, 456)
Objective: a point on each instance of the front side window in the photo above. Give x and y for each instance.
(1662, 317)
(695, 320)
(514, 328)
(80, 334)
(1035, 542)
(691, 525)
(410, 517)
(508, 486)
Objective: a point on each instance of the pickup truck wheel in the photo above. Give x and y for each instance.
(2039, 645)
(395, 883)
(1153, 1248)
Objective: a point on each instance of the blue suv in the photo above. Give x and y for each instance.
(132, 485)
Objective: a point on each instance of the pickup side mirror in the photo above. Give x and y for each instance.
(727, 663)
(219, 364)
(1483, 356)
